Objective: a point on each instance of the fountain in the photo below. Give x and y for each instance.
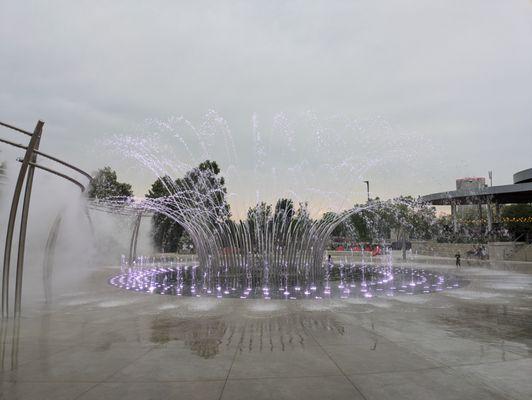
(268, 254)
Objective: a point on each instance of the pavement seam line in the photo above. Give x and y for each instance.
(228, 373)
(112, 374)
(337, 366)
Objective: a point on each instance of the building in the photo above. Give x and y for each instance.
(470, 183)
(474, 192)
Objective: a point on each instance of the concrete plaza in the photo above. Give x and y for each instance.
(104, 343)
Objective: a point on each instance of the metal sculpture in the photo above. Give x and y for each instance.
(26, 173)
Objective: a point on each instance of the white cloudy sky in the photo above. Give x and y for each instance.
(454, 76)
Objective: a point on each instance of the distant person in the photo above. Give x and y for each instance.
(483, 253)
(457, 256)
(329, 259)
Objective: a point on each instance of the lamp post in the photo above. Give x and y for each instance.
(367, 187)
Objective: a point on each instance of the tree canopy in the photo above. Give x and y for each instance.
(517, 219)
(208, 190)
(165, 232)
(284, 210)
(405, 216)
(105, 184)
(201, 185)
(259, 214)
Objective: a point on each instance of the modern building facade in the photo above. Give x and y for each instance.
(475, 192)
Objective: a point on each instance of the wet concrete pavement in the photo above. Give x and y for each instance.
(100, 342)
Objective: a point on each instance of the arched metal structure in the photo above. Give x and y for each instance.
(49, 253)
(126, 207)
(26, 173)
(258, 252)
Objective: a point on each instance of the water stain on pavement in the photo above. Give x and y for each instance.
(489, 322)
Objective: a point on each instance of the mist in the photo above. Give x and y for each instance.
(83, 244)
(452, 73)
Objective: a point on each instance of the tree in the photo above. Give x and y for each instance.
(284, 219)
(407, 217)
(365, 225)
(161, 187)
(302, 213)
(284, 211)
(518, 220)
(185, 244)
(105, 184)
(410, 219)
(165, 231)
(201, 187)
(259, 215)
(360, 224)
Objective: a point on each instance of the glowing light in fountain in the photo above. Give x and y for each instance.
(375, 281)
(266, 255)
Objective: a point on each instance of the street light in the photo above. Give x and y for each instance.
(367, 186)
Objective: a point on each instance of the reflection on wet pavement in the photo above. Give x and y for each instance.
(490, 322)
(117, 344)
(9, 344)
(206, 336)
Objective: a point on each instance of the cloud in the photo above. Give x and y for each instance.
(454, 75)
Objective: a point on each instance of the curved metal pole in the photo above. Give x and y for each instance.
(134, 237)
(15, 343)
(4, 343)
(45, 155)
(68, 178)
(13, 214)
(49, 256)
(57, 160)
(130, 255)
(137, 236)
(89, 219)
(16, 129)
(23, 228)
(20, 146)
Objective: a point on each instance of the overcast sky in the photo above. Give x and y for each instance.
(454, 76)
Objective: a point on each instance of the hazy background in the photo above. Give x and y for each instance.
(455, 77)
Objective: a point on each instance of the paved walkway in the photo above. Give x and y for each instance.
(103, 343)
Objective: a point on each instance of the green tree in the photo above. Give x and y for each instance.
(259, 215)
(201, 187)
(365, 225)
(105, 184)
(410, 219)
(516, 218)
(208, 189)
(185, 244)
(284, 210)
(360, 225)
(302, 213)
(165, 231)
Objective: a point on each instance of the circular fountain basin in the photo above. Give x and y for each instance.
(350, 281)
